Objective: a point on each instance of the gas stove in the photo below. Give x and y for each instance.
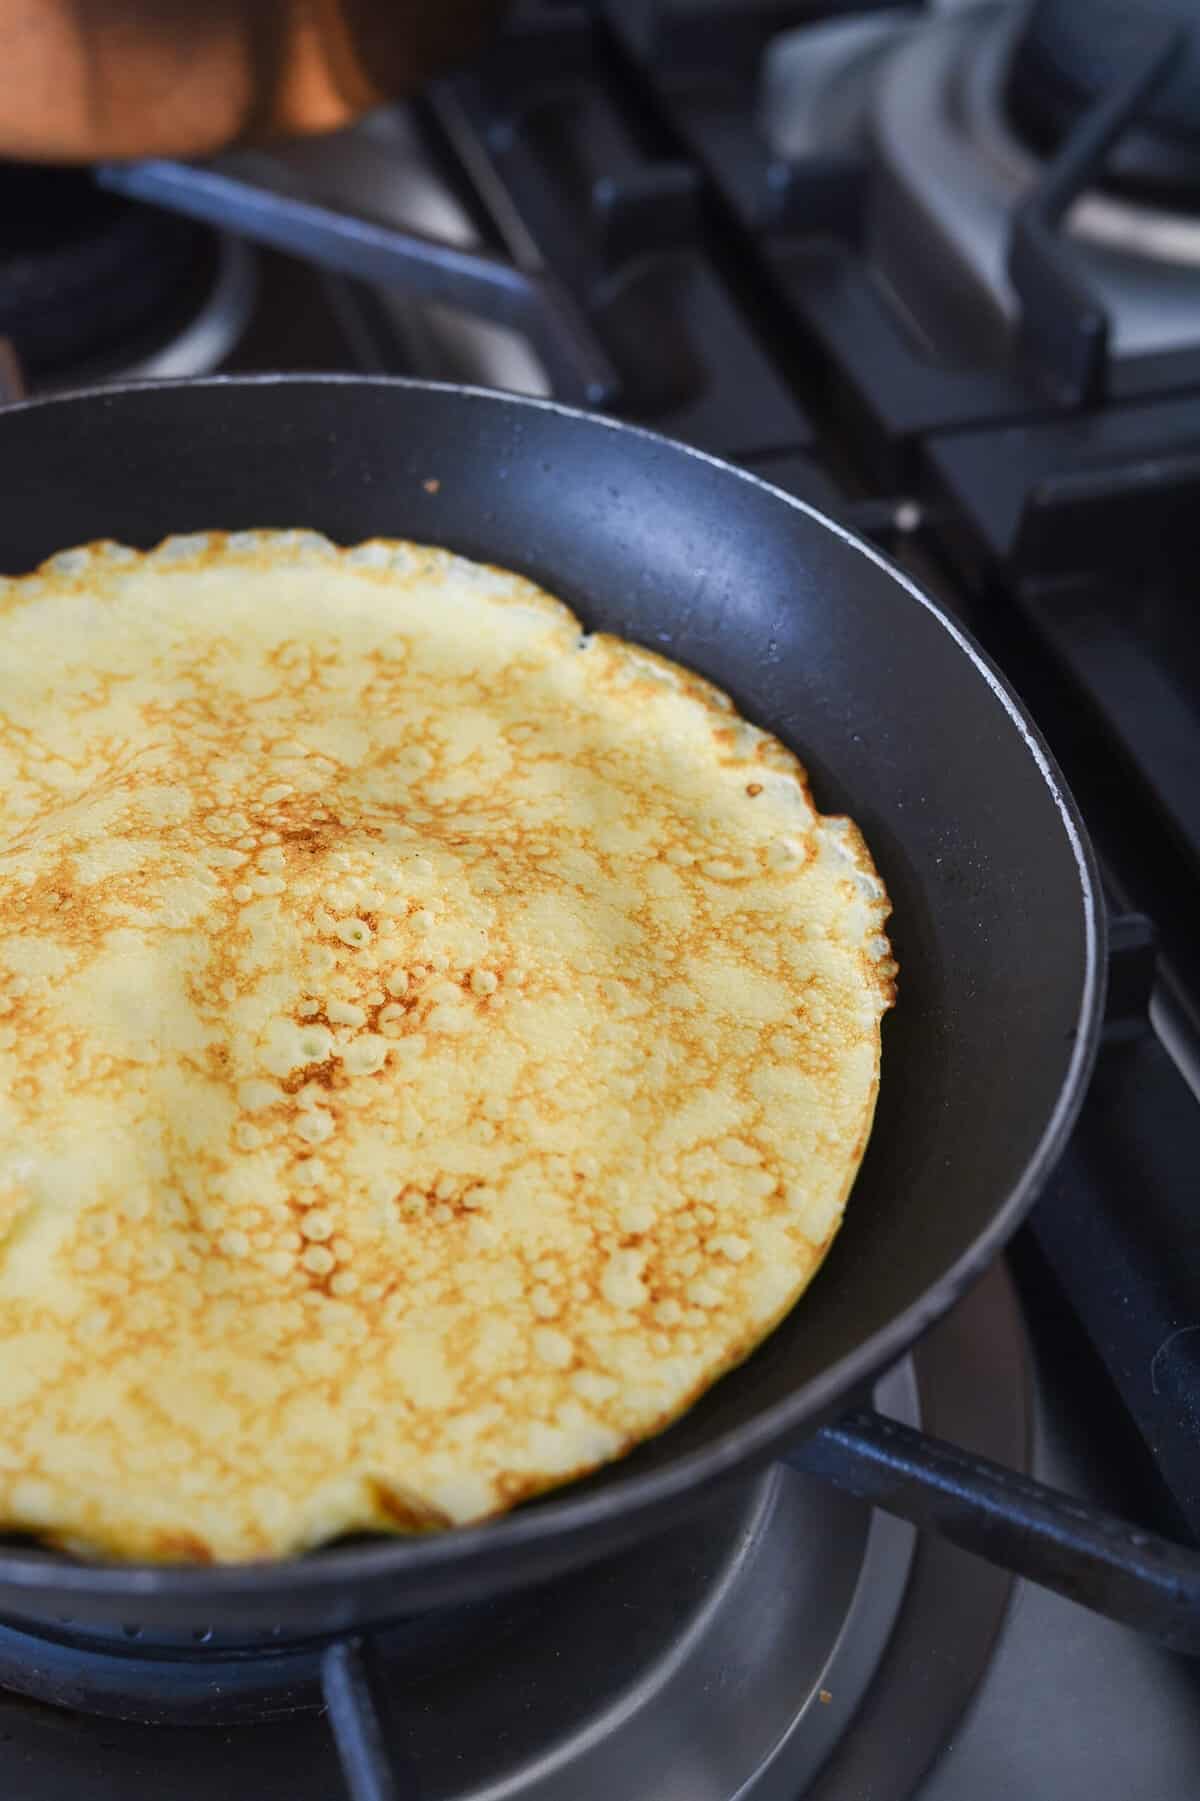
(936, 270)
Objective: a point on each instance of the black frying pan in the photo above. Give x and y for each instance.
(901, 722)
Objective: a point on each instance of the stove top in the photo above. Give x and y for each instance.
(835, 245)
(925, 106)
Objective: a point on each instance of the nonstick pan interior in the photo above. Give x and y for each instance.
(899, 722)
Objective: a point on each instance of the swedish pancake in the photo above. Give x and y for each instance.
(434, 1043)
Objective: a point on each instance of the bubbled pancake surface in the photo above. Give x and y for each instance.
(434, 1044)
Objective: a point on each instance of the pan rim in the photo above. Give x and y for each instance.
(564, 1516)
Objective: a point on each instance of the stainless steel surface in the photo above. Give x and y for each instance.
(204, 342)
(439, 273)
(1178, 1033)
(1142, 230)
(382, 170)
(197, 340)
(929, 105)
(1074, 1706)
(800, 1608)
(816, 84)
(938, 132)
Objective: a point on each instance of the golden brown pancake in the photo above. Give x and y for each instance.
(434, 1043)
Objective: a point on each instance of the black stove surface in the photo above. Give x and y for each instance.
(776, 275)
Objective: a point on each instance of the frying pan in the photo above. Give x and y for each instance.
(901, 722)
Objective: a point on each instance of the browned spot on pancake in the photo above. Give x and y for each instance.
(408, 1512)
(182, 1547)
(325, 1074)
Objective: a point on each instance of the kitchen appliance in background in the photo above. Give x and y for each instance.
(934, 270)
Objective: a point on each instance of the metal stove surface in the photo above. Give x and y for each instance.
(923, 96)
(1073, 1707)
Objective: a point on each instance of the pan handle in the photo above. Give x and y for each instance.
(1062, 1543)
(356, 1702)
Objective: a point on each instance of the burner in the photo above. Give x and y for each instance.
(201, 1677)
(948, 173)
(1072, 51)
(783, 1593)
(93, 286)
